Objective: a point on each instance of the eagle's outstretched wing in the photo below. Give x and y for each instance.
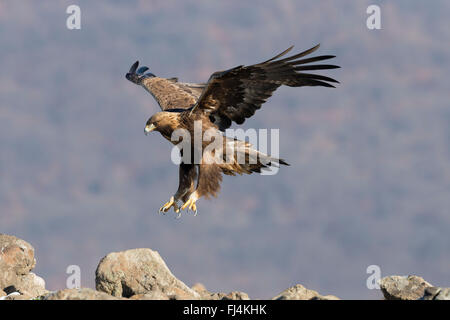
(235, 94)
(169, 93)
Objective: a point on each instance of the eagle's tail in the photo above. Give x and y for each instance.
(240, 157)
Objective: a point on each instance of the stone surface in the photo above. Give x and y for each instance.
(206, 295)
(155, 295)
(171, 294)
(139, 271)
(141, 274)
(78, 294)
(175, 293)
(18, 297)
(436, 293)
(299, 292)
(403, 288)
(16, 259)
(200, 289)
(16, 262)
(327, 297)
(234, 295)
(31, 285)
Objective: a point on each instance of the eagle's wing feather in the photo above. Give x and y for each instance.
(169, 93)
(235, 94)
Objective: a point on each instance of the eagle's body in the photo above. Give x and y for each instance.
(210, 108)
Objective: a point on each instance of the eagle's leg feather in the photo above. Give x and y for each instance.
(187, 177)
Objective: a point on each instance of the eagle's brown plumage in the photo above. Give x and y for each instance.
(228, 96)
(169, 93)
(235, 94)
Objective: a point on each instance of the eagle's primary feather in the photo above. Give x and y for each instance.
(235, 94)
(228, 96)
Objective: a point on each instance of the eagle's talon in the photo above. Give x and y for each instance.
(193, 207)
(186, 204)
(169, 204)
(190, 204)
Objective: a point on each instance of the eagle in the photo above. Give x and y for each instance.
(228, 96)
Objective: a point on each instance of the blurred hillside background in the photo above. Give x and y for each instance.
(369, 181)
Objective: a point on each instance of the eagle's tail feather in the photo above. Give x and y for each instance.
(241, 158)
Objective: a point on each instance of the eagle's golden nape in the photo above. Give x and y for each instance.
(228, 96)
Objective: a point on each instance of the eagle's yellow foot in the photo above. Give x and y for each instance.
(191, 204)
(169, 204)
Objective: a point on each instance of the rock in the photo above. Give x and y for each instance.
(16, 259)
(206, 295)
(200, 289)
(78, 294)
(9, 296)
(141, 274)
(327, 297)
(436, 293)
(176, 293)
(403, 288)
(18, 297)
(16, 262)
(299, 292)
(155, 295)
(234, 295)
(171, 294)
(444, 294)
(31, 285)
(139, 271)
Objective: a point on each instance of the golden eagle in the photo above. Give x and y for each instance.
(230, 95)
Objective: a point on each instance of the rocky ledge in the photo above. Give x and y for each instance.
(141, 274)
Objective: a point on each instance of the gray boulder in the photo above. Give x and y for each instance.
(16, 262)
(139, 271)
(436, 293)
(233, 295)
(78, 294)
(31, 285)
(206, 295)
(16, 259)
(403, 288)
(299, 292)
(154, 295)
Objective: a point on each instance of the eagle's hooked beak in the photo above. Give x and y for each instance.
(149, 128)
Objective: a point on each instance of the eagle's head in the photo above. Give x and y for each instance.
(136, 75)
(164, 121)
